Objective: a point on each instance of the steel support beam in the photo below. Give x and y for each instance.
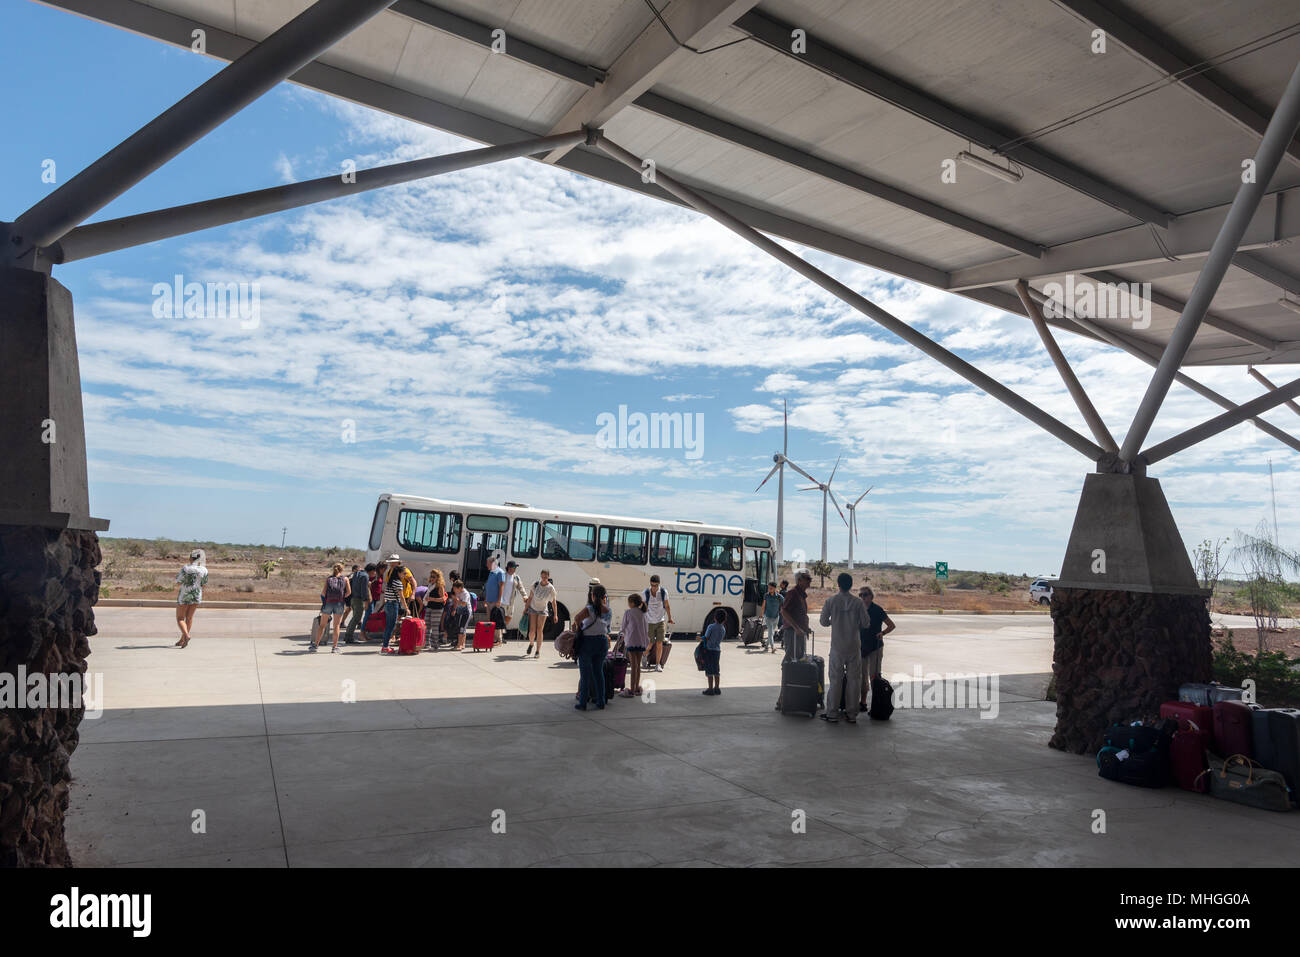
(1049, 423)
(757, 142)
(93, 239)
(1266, 383)
(1281, 130)
(847, 69)
(1217, 322)
(644, 61)
(1072, 384)
(516, 49)
(1269, 273)
(1188, 237)
(1147, 43)
(1151, 356)
(281, 54)
(1220, 423)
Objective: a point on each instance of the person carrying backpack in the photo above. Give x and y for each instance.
(658, 615)
(359, 584)
(337, 592)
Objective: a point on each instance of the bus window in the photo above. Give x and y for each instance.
(672, 549)
(487, 523)
(624, 545)
(377, 526)
(420, 531)
(720, 552)
(563, 541)
(527, 534)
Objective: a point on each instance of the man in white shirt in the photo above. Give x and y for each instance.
(846, 616)
(657, 609)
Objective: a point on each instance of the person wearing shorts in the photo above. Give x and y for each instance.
(658, 616)
(191, 578)
(712, 639)
(334, 602)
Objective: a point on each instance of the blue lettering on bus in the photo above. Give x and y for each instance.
(711, 584)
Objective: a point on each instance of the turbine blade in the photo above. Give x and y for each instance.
(861, 497)
(837, 505)
(811, 488)
(785, 427)
(834, 470)
(801, 472)
(775, 468)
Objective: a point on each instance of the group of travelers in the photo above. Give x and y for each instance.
(388, 588)
(858, 625)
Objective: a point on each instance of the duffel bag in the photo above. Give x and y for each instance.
(1241, 780)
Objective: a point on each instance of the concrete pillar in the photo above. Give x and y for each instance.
(48, 555)
(1129, 617)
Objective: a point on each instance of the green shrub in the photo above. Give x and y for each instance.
(1277, 683)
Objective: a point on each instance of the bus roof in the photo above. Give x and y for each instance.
(684, 525)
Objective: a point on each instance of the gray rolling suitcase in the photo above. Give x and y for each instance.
(1277, 744)
(803, 685)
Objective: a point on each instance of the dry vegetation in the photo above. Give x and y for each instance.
(146, 568)
(913, 588)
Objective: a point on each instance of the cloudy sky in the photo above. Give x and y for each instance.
(459, 338)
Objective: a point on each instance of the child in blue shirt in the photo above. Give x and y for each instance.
(712, 639)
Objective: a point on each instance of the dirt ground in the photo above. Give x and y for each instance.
(1285, 640)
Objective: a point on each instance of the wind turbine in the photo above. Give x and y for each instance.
(853, 523)
(826, 494)
(779, 471)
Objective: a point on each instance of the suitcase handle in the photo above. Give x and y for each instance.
(1240, 759)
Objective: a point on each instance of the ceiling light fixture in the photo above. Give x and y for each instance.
(993, 169)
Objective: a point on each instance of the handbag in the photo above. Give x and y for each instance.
(564, 643)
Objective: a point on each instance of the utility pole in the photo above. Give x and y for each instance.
(283, 532)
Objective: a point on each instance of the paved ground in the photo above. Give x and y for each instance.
(246, 728)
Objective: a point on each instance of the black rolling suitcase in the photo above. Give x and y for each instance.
(803, 685)
(1277, 744)
(752, 631)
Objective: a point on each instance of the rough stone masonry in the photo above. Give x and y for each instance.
(48, 587)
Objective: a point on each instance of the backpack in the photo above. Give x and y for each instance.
(334, 589)
(473, 601)
(882, 699)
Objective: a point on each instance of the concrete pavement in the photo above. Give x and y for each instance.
(447, 759)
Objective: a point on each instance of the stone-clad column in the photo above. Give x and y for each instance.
(48, 555)
(1129, 618)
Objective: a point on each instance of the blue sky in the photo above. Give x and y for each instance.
(473, 327)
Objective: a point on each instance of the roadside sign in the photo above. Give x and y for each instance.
(940, 570)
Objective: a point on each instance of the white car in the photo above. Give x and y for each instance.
(1040, 591)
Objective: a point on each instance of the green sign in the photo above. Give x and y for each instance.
(940, 570)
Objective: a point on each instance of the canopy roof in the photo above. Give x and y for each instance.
(1129, 158)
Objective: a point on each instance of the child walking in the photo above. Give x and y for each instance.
(636, 639)
(712, 639)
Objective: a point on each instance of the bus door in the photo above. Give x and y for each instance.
(758, 572)
(485, 538)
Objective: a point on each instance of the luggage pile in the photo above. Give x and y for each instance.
(1211, 741)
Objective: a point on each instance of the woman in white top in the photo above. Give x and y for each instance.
(191, 578)
(541, 606)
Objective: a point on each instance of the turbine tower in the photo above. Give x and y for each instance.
(827, 494)
(779, 471)
(853, 523)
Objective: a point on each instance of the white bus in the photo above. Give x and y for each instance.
(701, 567)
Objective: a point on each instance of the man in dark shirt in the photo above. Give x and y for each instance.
(873, 641)
(360, 582)
(794, 614)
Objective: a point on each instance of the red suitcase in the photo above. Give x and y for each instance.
(375, 624)
(1232, 724)
(412, 636)
(1187, 756)
(485, 636)
(1185, 712)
